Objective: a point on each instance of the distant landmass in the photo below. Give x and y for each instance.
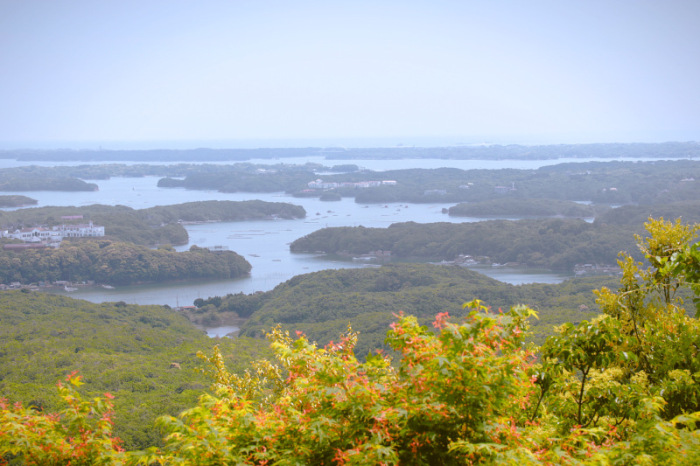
(476, 152)
(16, 201)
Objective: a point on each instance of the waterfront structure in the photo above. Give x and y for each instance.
(55, 234)
(320, 184)
(80, 230)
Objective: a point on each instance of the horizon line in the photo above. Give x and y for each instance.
(300, 143)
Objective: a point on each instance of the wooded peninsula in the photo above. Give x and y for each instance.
(160, 225)
(122, 257)
(117, 263)
(16, 201)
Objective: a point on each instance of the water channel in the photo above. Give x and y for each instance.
(265, 243)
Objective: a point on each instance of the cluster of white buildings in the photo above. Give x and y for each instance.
(54, 234)
(320, 184)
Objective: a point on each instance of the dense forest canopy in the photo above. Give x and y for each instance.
(144, 355)
(554, 243)
(322, 304)
(523, 208)
(620, 388)
(551, 243)
(117, 263)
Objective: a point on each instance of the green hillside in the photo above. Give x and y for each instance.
(322, 304)
(620, 387)
(130, 351)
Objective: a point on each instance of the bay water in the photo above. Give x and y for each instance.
(265, 243)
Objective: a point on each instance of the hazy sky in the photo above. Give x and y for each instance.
(457, 71)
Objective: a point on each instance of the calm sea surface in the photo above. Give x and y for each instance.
(265, 243)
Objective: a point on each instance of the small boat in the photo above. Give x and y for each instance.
(69, 288)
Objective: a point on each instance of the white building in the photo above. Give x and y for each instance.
(55, 234)
(34, 235)
(320, 184)
(80, 230)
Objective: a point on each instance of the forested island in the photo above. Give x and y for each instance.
(552, 243)
(116, 263)
(224, 211)
(46, 183)
(16, 201)
(557, 244)
(158, 225)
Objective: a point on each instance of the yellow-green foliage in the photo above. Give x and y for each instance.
(126, 350)
(619, 389)
(322, 303)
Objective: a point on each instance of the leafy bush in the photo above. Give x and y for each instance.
(619, 389)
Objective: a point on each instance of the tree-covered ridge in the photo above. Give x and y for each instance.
(322, 304)
(622, 388)
(45, 183)
(16, 201)
(154, 225)
(231, 180)
(553, 243)
(633, 215)
(223, 211)
(523, 208)
(126, 350)
(117, 263)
